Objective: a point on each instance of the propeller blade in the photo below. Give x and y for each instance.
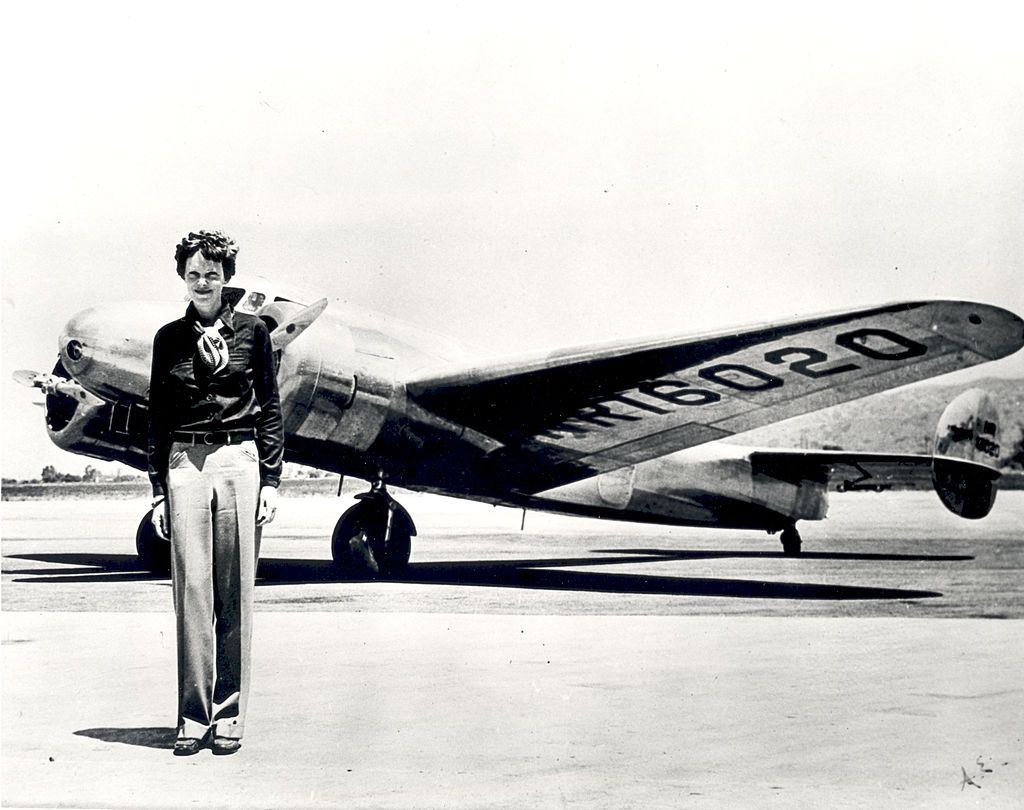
(28, 378)
(287, 332)
(68, 388)
(50, 384)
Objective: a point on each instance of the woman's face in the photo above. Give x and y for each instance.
(205, 282)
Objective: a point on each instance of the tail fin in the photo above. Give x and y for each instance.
(964, 470)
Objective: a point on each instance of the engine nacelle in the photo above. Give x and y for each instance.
(966, 453)
(111, 432)
(81, 422)
(337, 387)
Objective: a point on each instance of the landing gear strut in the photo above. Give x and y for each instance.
(373, 538)
(790, 541)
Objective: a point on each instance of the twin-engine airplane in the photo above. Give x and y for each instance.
(625, 430)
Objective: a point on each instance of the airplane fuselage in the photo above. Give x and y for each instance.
(376, 399)
(345, 410)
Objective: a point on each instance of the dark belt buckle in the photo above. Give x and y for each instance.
(209, 438)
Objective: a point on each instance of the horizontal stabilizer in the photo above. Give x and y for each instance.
(847, 471)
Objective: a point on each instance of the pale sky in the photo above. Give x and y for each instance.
(527, 176)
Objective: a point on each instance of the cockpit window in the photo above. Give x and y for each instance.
(243, 300)
(253, 302)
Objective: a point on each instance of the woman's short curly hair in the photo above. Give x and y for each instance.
(215, 246)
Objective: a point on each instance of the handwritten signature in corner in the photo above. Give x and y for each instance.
(968, 779)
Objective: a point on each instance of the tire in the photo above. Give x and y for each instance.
(791, 542)
(357, 543)
(154, 552)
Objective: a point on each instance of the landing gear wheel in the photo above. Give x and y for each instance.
(790, 541)
(154, 552)
(362, 543)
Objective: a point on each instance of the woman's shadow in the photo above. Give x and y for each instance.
(147, 737)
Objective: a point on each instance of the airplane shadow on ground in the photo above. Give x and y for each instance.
(530, 574)
(154, 737)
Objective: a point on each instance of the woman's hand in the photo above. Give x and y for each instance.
(161, 518)
(268, 506)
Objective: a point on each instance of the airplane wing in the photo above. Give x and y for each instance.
(565, 416)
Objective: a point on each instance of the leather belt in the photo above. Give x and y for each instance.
(214, 436)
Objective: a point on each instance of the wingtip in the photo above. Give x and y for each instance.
(986, 329)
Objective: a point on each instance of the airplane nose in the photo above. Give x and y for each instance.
(108, 348)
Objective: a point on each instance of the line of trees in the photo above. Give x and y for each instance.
(51, 475)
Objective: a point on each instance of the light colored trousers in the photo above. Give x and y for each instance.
(213, 495)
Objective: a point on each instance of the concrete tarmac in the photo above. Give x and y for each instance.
(578, 663)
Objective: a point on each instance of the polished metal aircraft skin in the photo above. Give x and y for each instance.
(624, 430)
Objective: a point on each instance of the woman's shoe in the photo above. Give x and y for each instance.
(187, 746)
(222, 746)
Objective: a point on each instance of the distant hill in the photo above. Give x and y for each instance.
(900, 421)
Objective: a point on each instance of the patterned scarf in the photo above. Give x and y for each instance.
(212, 348)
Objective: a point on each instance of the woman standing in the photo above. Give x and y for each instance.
(216, 446)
